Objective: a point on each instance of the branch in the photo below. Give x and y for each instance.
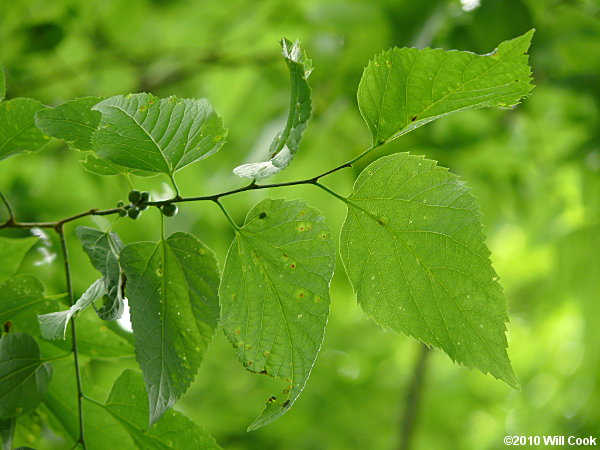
(57, 225)
(80, 395)
(413, 398)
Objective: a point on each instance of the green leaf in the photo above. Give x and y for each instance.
(73, 121)
(128, 403)
(54, 325)
(2, 85)
(413, 248)
(275, 295)
(286, 143)
(99, 166)
(24, 377)
(172, 292)
(60, 408)
(18, 132)
(144, 132)
(405, 88)
(20, 295)
(103, 250)
(12, 252)
(101, 339)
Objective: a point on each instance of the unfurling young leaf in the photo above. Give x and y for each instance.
(275, 295)
(54, 325)
(286, 143)
(7, 426)
(405, 88)
(141, 131)
(24, 377)
(413, 248)
(172, 293)
(18, 132)
(103, 250)
(128, 404)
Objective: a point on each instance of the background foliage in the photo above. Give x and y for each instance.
(535, 170)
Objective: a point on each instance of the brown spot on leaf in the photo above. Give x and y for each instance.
(413, 118)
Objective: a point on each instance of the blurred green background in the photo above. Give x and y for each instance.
(535, 170)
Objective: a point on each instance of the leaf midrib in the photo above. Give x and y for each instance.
(148, 134)
(432, 275)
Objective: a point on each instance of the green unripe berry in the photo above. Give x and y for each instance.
(120, 204)
(122, 213)
(135, 197)
(170, 209)
(134, 213)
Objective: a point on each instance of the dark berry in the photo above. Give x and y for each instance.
(135, 197)
(122, 213)
(134, 213)
(120, 204)
(170, 209)
(145, 197)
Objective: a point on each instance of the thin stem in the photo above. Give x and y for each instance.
(13, 223)
(94, 401)
(233, 224)
(413, 398)
(63, 244)
(365, 153)
(174, 183)
(335, 194)
(11, 214)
